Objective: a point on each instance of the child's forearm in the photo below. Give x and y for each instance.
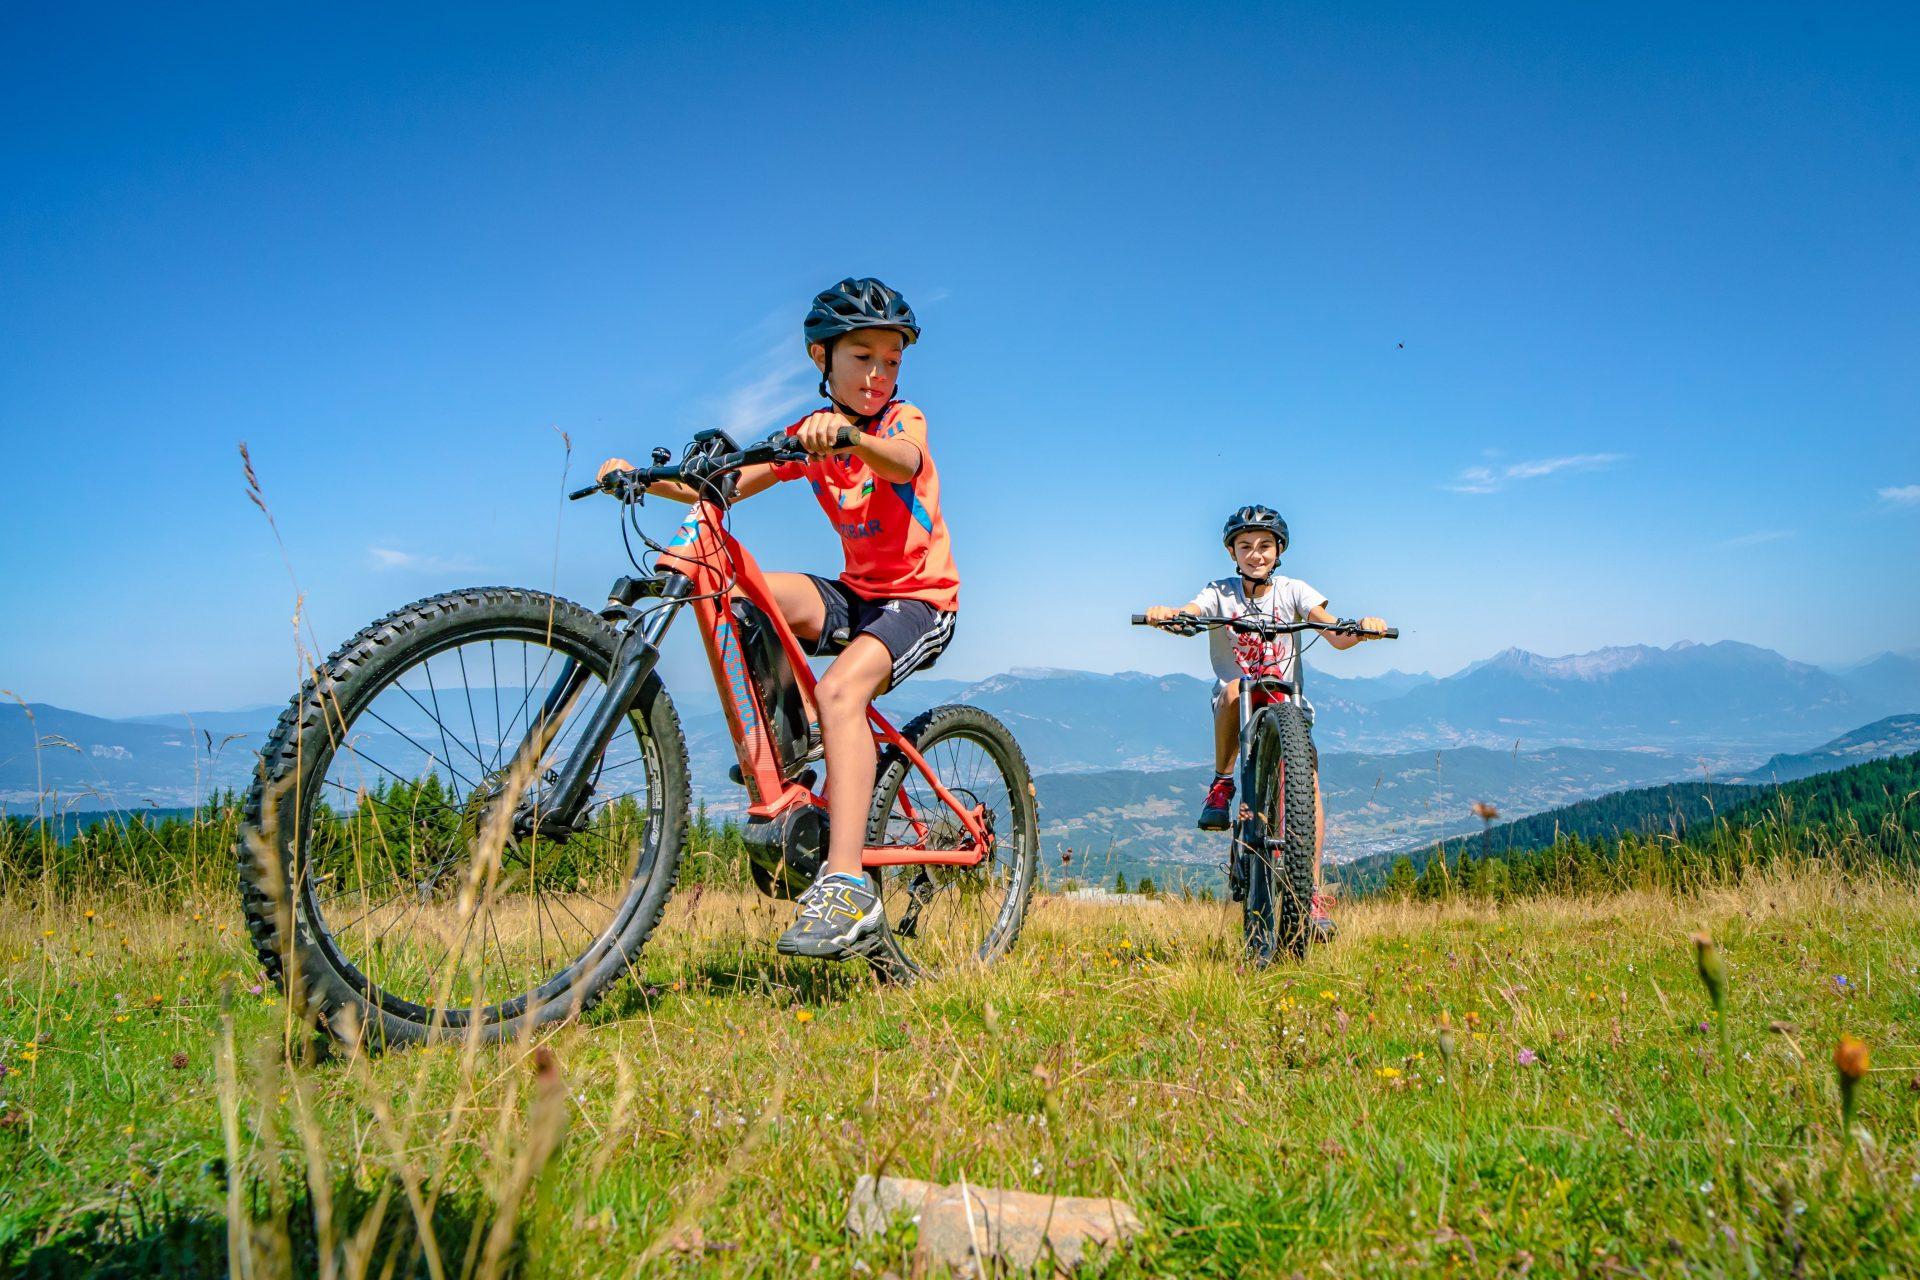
(1319, 614)
(895, 461)
(672, 489)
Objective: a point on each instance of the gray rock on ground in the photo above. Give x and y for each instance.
(1018, 1228)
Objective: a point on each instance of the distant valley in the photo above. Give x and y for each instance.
(1122, 757)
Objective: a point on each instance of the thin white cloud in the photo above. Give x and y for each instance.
(771, 391)
(413, 562)
(1494, 479)
(1905, 495)
(1756, 539)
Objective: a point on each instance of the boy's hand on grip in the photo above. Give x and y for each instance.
(1161, 613)
(1373, 625)
(819, 432)
(610, 466)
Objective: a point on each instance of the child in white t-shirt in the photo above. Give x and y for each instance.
(1256, 537)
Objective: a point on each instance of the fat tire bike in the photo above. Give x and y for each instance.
(469, 819)
(1270, 850)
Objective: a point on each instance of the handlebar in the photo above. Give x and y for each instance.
(699, 471)
(1195, 622)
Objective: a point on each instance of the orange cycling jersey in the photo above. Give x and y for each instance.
(894, 537)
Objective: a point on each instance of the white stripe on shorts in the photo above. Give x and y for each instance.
(923, 651)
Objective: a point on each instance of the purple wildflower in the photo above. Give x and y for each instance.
(1527, 1057)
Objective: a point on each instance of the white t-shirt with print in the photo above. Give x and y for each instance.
(1236, 654)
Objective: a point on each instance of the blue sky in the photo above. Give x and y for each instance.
(1654, 271)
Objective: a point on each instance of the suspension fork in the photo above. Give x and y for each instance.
(554, 811)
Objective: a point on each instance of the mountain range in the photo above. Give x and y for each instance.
(1893, 736)
(1402, 754)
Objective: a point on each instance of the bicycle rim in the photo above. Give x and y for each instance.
(423, 898)
(942, 916)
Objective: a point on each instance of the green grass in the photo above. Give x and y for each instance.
(719, 1107)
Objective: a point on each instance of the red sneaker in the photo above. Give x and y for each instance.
(1213, 814)
(1320, 925)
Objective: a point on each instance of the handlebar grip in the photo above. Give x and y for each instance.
(587, 492)
(1391, 633)
(1139, 619)
(790, 451)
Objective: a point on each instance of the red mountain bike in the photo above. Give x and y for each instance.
(1271, 851)
(470, 818)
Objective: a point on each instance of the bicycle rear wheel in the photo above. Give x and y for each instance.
(1275, 834)
(939, 917)
(382, 881)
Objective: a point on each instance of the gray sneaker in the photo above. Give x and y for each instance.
(837, 919)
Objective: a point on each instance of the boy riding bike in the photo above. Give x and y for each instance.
(1256, 537)
(892, 611)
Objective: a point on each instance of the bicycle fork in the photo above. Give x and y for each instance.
(555, 811)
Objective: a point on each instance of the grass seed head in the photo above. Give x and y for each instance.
(1713, 969)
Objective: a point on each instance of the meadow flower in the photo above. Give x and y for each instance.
(1850, 1059)
(803, 1015)
(1840, 983)
(1526, 1057)
(1387, 1073)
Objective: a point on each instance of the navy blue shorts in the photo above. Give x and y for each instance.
(914, 632)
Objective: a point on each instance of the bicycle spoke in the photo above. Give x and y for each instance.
(425, 711)
(428, 668)
(460, 652)
(417, 747)
(499, 737)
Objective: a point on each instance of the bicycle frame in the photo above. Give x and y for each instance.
(1260, 692)
(706, 568)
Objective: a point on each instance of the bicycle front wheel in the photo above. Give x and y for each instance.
(384, 882)
(937, 916)
(1275, 834)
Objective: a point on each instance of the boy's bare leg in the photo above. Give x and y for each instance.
(856, 678)
(800, 603)
(1226, 730)
(1319, 832)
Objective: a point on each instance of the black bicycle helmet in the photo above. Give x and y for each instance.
(1256, 517)
(858, 304)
